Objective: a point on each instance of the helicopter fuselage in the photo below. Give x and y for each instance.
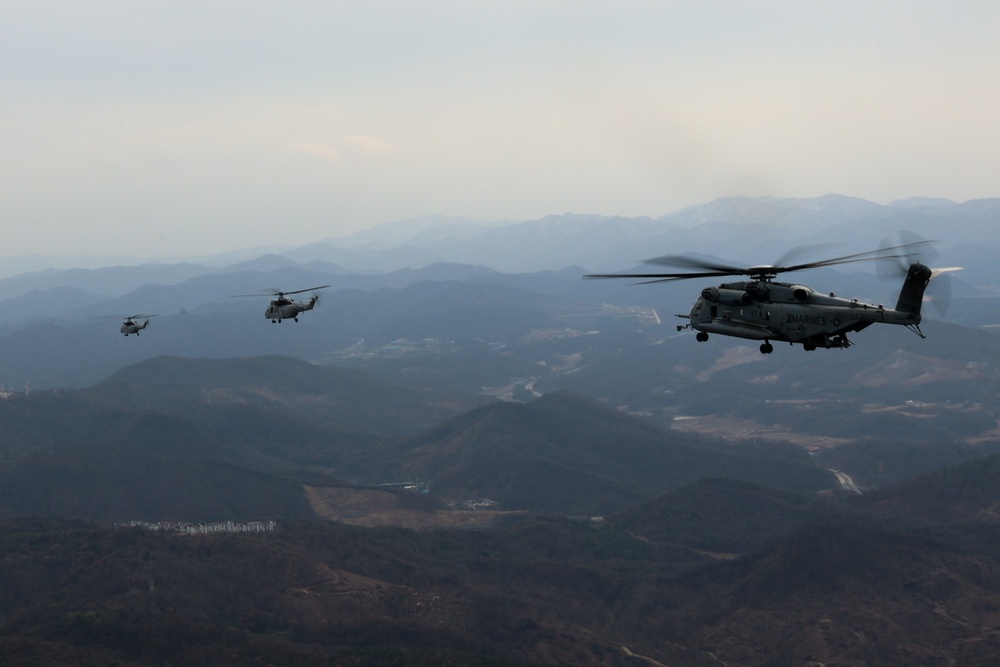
(775, 311)
(132, 327)
(283, 309)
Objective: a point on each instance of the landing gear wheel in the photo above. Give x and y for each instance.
(296, 319)
(766, 348)
(701, 337)
(808, 347)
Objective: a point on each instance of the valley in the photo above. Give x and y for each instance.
(733, 429)
(372, 508)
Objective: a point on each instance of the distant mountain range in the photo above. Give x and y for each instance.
(455, 280)
(751, 230)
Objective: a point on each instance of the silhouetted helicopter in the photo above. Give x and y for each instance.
(762, 309)
(132, 327)
(283, 308)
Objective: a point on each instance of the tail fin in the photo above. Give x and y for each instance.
(912, 295)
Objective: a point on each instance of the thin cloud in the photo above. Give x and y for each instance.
(370, 145)
(317, 150)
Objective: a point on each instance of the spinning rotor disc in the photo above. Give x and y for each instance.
(761, 272)
(273, 292)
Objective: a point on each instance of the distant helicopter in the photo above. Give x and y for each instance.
(283, 308)
(761, 309)
(131, 326)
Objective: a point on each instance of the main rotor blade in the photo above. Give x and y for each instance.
(693, 263)
(277, 292)
(906, 250)
(902, 264)
(803, 250)
(661, 277)
(923, 248)
(308, 289)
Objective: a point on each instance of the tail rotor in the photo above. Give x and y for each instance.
(913, 267)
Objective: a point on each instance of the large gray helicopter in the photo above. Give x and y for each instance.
(762, 309)
(132, 326)
(283, 308)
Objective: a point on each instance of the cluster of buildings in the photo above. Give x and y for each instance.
(475, 504)
(398, 348)
(204, 528)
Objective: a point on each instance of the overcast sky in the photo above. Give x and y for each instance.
(178, 128)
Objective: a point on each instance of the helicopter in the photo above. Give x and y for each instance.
(762, 309)
(130, 325)
(283, 308)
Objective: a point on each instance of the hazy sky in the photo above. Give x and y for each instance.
(166, 128)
